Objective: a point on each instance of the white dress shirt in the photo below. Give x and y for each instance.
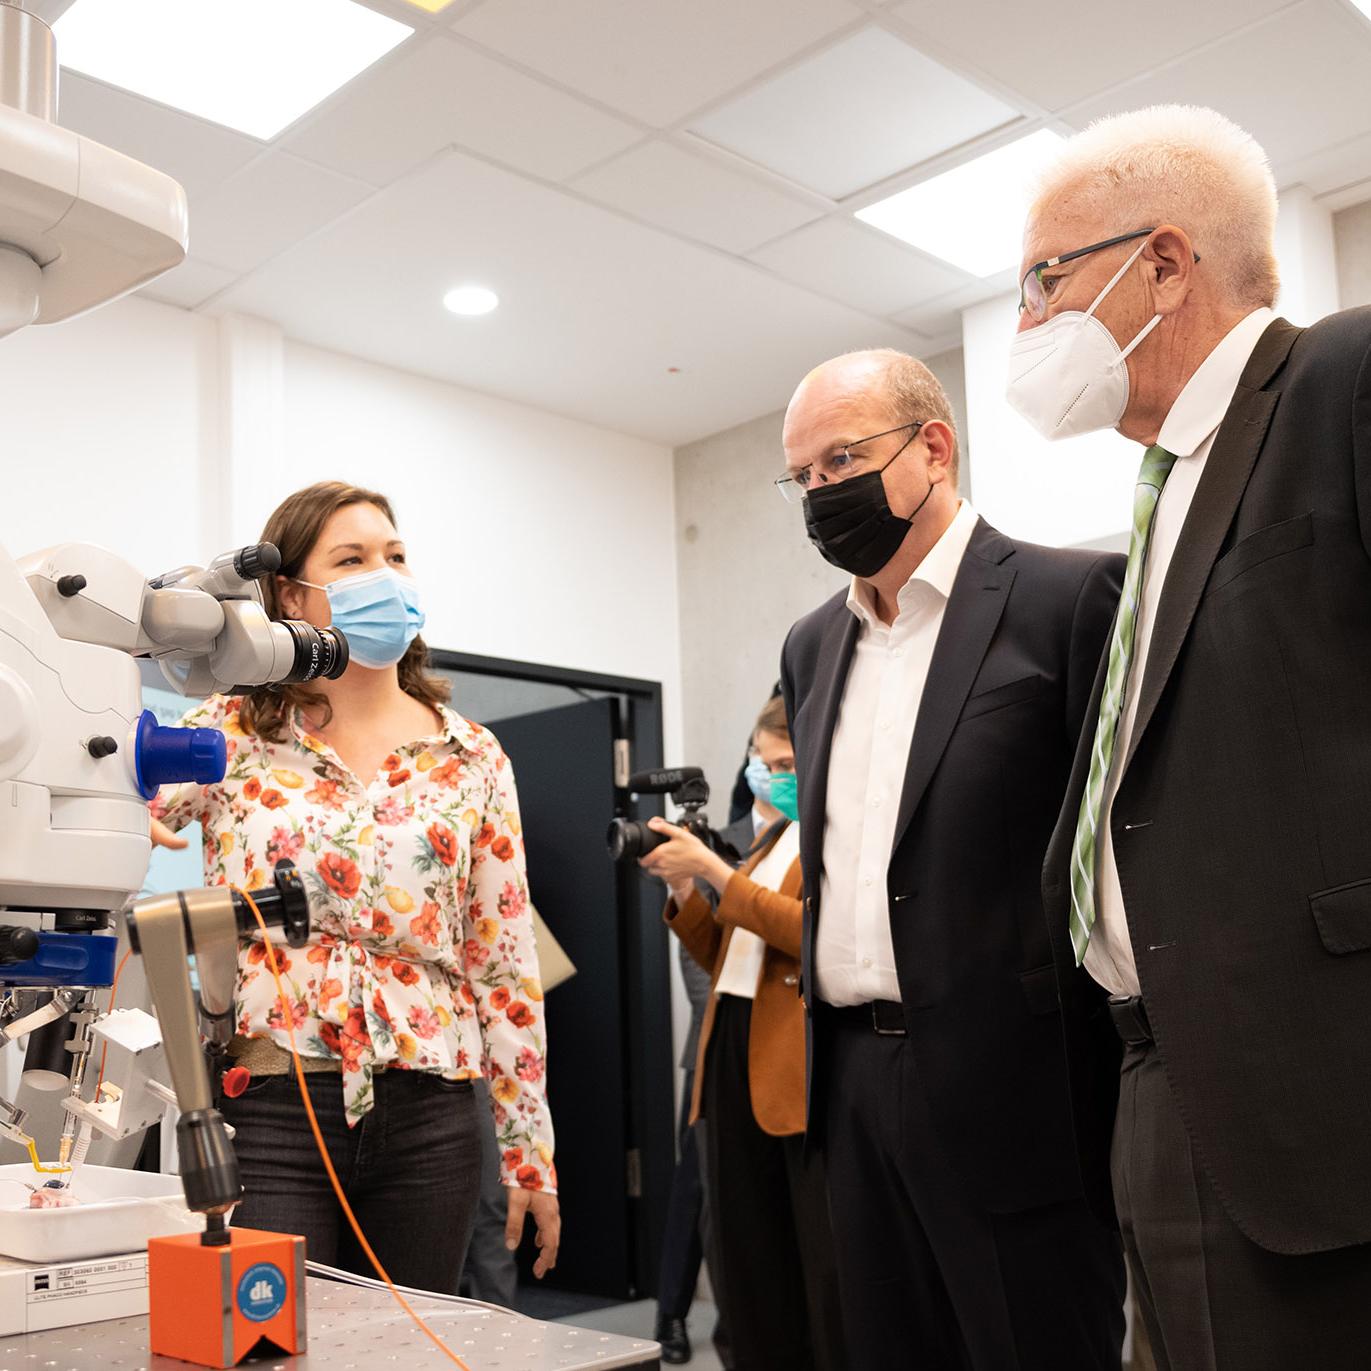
(743, 965)
(855, 955)
(1188, 433)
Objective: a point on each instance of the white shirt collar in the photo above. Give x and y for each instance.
(938, 568)
(1199, 408)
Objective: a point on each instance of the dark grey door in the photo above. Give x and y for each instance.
(564, 767)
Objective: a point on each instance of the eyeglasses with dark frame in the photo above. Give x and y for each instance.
(1033, 298)
(795, 485)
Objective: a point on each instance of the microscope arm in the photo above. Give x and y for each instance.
(165, 930)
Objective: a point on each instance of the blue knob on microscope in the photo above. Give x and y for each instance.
(165, 756)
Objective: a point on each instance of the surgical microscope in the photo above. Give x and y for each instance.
(79, 760)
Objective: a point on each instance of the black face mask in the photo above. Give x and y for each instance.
(852, 525)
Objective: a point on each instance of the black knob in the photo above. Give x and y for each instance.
(17, 944)
(102, 747)
(261, 559)
(70, 585)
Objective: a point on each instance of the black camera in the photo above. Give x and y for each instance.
(630, 839)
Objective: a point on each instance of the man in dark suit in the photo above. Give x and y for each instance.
(935, 709)
(1212, 864)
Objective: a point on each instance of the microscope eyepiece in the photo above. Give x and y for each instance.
(259, 560)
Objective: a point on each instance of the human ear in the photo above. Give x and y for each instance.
(1170, 260)
(941, 441)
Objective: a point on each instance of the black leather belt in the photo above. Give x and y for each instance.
(885, 1017)
(1130, 1019)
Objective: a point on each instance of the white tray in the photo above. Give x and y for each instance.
(119, 1212)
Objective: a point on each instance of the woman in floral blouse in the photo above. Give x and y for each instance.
(420, 974)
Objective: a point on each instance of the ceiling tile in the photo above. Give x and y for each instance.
(943, 316)
(445, 93)
(695, 196)
(198, 154)
(594, 308)
(858, 112)
(266, 208)
(190, 284)
(1057, 51)
(1314, 48)
(657, 60)
(858, 265)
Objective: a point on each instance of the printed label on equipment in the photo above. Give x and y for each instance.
(89, 1278)
(261, 1292)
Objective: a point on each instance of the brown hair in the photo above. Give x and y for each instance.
(295, 526)
(772, 718)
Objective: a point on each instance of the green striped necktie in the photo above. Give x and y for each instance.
(1156, 467)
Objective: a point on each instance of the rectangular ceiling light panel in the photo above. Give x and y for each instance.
(252, 65)
(971, 216)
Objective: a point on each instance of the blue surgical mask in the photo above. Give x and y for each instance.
(378, 612)
(785, 794)
(758, 776)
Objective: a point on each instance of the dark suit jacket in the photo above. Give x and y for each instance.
(997, 726)
(1242, 825)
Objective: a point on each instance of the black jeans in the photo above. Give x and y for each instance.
(411, 1170)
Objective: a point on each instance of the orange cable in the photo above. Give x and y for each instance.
(323, 1148)
(109, 1009)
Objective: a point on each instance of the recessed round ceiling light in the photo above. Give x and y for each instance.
(471, 300)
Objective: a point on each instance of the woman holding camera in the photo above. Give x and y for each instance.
(420, 974)
(777, 1287)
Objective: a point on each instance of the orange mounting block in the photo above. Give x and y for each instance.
(213, 1305)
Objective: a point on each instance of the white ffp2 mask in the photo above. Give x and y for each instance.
(1066, 375)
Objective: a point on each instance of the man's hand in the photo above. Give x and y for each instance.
(547, 1218)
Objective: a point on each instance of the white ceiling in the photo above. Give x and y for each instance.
(662, 193)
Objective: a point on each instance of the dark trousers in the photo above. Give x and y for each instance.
(689, 1236)
(1211, 1298)
(683, 1241)
(411, 1170)
(776, 1284)
(490, 1272)
(929, 1279)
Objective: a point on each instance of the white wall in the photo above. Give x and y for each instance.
(168, 436)
(108, 428)
(1352, 230)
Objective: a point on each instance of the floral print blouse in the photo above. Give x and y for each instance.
(421, 951)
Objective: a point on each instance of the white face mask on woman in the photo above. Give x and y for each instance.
(1066, 375)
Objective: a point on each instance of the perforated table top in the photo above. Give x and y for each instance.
(353, 1329)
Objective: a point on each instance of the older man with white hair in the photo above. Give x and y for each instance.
(1212, 865)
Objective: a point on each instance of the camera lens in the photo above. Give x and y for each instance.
(630, 839)
(318, 652)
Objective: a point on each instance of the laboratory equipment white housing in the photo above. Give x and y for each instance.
(80, 224)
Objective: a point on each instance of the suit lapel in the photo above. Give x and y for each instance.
(973, 613)
(835, 660)
(1226, 474)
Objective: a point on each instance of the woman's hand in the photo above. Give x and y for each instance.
(162, 836)
(682, 859)
(547, 1218)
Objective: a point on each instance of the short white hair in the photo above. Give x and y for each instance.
(1182, 165)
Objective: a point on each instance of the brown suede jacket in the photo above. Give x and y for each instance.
(776, 1047)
